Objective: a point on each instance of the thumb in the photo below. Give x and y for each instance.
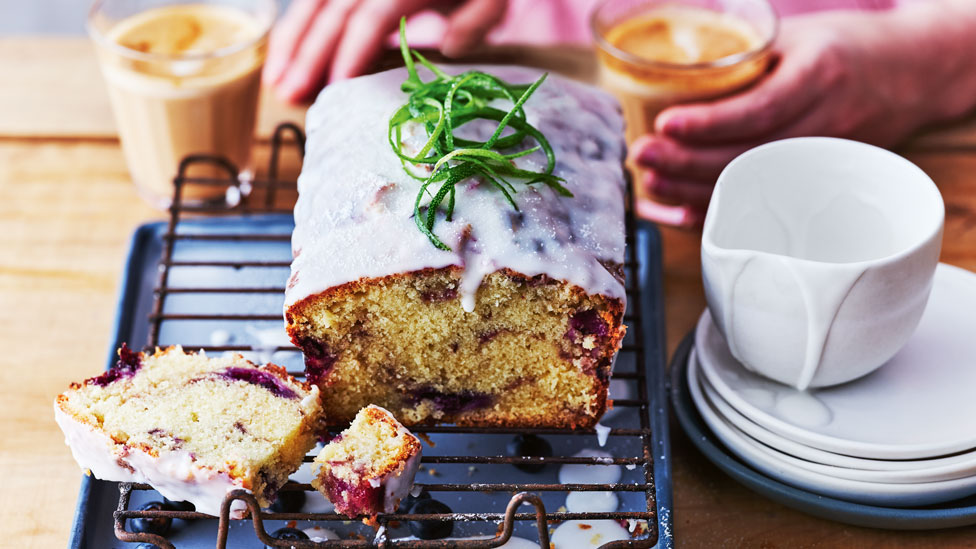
(468, 25)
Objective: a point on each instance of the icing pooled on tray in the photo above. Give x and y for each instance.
(592, 502)
(586, 534)
(354, 216)
(606, 472)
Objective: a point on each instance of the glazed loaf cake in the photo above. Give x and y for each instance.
(193, 427)
(370, 466)
(517, 324)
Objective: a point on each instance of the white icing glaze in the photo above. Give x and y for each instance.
(592, 502)
(590, 474)
(579, 534)
(317, 533)
(354, 216)
(396, 486)
(602, 434)
(173, 474)
(92, 450)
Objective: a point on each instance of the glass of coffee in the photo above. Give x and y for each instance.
(183, 77)
(657, 53)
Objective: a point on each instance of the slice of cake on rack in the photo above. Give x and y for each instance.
(481, 288)
(193, 427)
(370, 466)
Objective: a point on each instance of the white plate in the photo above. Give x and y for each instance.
(809, 453)
(921, 404)
(871, 493)
(897, 472)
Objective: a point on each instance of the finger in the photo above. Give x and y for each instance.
(692, 161)
(286, 35)
(688, 161)
(772, 103)
(675, 216)
(308, 68)
(365, 35)
(468, 25)
(685, 192)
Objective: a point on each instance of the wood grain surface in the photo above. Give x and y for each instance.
(67, 210)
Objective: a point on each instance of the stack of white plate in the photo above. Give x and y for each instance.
(905, 435)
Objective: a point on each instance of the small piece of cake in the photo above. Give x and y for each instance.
(517, 324)
(370, 467)
(193, 427)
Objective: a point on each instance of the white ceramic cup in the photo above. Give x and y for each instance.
(818, 256)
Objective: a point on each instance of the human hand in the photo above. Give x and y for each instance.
(320, 41)
(841, 74)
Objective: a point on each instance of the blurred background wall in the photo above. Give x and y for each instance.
(49, 16)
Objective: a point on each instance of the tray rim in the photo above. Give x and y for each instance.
(128, 294)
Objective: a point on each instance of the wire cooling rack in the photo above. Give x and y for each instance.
(221, 273)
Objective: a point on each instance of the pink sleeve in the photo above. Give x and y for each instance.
(568, 21)
(540, 22)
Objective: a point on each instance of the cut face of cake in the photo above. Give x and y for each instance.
(193, 427)
(517, 324)
(370, 467)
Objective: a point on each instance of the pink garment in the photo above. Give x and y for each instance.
(568, 21)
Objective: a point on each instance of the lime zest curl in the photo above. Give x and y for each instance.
(448, 102)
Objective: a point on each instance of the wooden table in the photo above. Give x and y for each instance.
(67, 209)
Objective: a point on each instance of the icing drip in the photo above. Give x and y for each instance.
(602, 434)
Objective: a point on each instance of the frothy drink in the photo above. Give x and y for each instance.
(184, 79)
(675, 53)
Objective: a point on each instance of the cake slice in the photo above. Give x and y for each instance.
(370, 466)
(516, 320)
(191, 426)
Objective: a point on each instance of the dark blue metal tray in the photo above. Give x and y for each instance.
(94, 523)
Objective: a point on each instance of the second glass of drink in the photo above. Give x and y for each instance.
(657, 53)
(183, 78)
